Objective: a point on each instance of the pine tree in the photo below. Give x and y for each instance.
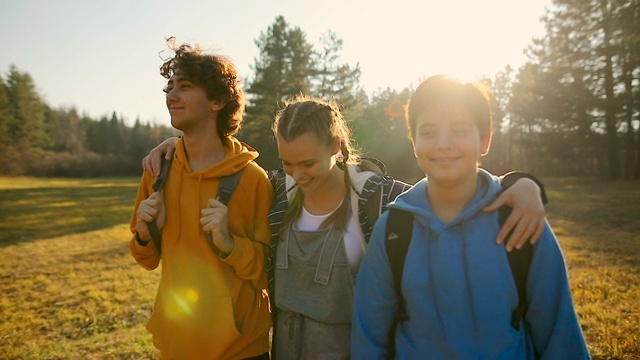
(334, 80)
(281, 71)
(27, 128)
(5, 115)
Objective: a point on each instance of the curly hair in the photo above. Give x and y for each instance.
(217, 75)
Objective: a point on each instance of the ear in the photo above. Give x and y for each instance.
(337, 147)
(217, 105)
(485, 143)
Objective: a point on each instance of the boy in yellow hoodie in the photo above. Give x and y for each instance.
(209, 303)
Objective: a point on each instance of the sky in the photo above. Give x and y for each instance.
(103, 56)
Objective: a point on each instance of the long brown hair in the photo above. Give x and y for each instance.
(303, 114)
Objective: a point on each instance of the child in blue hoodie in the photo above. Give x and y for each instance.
(457, 283)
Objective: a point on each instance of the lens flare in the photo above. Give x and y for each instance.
(183, 303)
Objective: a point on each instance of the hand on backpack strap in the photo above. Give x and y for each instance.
(150, 209)
(214, 221)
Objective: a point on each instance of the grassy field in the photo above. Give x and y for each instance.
(70, 290)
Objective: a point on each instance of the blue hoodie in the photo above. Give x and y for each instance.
(460, 292)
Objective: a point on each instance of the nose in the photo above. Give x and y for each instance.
(296, 173)
(170, 96)
(444, 139)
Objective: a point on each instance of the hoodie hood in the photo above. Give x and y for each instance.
(237, 156)
(415, 200)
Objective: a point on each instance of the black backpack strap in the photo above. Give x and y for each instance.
(156, 236)
(225, 190)
(227, 186)
(519, 261)
(398, 232)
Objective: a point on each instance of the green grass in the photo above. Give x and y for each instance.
(71, 290)
(33, 209)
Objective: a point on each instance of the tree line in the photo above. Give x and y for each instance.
(573, 109)
(38, 140)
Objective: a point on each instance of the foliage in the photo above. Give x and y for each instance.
(288, 65)
(581, 86)
(37, 140)
(572, 109)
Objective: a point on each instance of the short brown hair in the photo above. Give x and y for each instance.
(442, 89)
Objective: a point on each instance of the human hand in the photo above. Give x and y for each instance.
(527, 217)
(214, 220)
(152, 163)
(150, 209)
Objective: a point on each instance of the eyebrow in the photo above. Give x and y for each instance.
(303, 162)
(176, 79)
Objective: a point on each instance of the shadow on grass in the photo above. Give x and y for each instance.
(603, 213)
(39, 212)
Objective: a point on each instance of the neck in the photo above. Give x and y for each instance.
(203, 150)
(448, 200)
(328, 196)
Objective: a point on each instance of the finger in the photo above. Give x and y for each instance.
(169, 154)
(147, 215)
(146, 167)
(513, 222)
(159, 198)
(496, 204)
(507, 226)
(156, 162)
(205, 212)
(538, 232)
(214, 203)
(210, 225)
(206, 226)
(517, 241)
(532, 226)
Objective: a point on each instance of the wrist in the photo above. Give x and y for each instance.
(508, 179)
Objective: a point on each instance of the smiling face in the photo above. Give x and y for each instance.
(448, 144)
(449, 126)
(188, 104)
(309, 161)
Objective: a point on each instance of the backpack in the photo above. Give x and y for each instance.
(225, 190)
(399, 229)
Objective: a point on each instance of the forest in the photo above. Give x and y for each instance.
(573, 109)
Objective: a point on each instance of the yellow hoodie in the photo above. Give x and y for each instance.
(209, 306)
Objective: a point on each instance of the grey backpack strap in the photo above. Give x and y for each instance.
(227, 185)
(156, 236)
(225, 190)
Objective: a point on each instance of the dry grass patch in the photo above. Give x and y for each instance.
(598, 228)
(75, 297)
(71, 290)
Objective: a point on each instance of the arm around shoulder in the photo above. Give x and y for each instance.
(249, 227)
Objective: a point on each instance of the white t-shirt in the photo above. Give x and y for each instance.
(352, 243)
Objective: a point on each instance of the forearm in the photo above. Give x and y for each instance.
(248, 258)
(510, 178)
(249, 226)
